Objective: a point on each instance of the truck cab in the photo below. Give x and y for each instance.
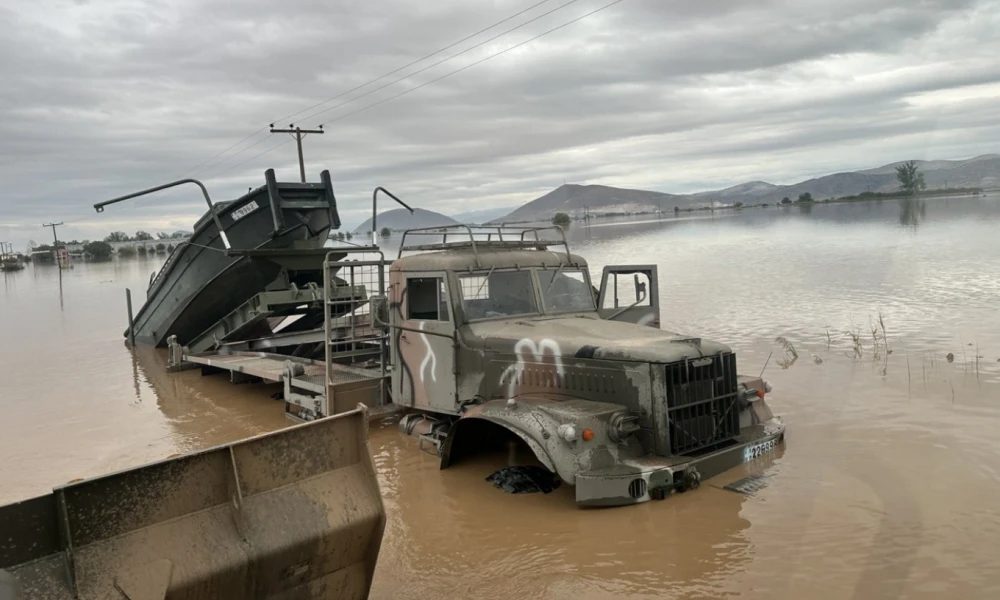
(509, 334)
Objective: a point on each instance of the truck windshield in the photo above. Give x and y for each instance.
(565, 290)
(497, 294)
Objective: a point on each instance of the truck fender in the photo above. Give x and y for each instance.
(464, 434)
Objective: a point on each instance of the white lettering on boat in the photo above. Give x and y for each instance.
(243, 211)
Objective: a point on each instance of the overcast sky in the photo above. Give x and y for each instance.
(103, 97)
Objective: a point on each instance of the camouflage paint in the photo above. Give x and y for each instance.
(531, 374)
(423, 351)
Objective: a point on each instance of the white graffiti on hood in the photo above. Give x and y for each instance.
(514, 371)
(429, 358)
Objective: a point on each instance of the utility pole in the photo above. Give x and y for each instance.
(299, 134)
(55, 240)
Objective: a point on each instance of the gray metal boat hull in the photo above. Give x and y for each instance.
(201, 282)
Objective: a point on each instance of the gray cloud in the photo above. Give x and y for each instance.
(102, 98)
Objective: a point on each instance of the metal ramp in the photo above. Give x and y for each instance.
(292, 514)
(345, 360)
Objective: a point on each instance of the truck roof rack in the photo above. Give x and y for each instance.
(489, 237)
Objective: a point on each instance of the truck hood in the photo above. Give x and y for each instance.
(590, 337)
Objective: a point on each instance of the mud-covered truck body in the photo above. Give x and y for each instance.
(513, 335)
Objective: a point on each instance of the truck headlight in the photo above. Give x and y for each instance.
(622, 426)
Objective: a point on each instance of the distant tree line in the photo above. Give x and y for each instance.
(141, 236)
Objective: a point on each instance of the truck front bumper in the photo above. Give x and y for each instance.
(635, 481)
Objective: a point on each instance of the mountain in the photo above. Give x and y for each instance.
(981, 171)
(751, 188)
(400, 218)
(574, 200)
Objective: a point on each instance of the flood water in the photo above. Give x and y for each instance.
(887, 486)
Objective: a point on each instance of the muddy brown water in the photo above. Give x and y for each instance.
(888, 486)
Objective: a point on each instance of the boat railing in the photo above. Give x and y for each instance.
(479, 237)
(99, 207)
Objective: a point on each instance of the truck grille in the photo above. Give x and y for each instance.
(701, 402)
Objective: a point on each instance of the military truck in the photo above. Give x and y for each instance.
(500, 332)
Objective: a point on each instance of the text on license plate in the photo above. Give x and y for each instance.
(243, 211)
(758, 450)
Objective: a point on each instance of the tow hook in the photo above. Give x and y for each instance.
(689, 481)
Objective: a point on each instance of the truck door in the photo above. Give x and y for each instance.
(630, 293)
(423, 344)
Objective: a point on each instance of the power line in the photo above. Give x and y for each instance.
(442, 61)
(354, 89)
(419, 60)
(232, 156)
(194, 169)
(299, 133)
(55, 240)
(254, 157)
(449, 74)
(478, 62)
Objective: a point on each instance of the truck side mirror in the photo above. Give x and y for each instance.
(640, 290)
(380, 312)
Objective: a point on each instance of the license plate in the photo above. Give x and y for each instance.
(243, 211)
(758, 450)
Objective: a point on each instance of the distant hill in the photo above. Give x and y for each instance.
(751, 188)
(574, 200)
(400, 218)
(979, 172)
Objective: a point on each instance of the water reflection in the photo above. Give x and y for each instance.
(911, 211)
(202, 410)
(62, 306)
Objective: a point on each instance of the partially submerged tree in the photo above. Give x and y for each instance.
(386, 232)
(560, 220)
(98, 250)
(142, 236)
(117, 236)
(911, 180)
(786, 200)
(805, 197)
